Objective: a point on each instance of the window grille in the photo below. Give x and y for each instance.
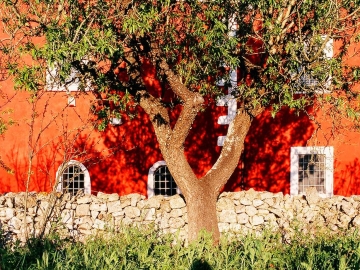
(73, 179)
(164, 183)
(312, 166)
(312, 172)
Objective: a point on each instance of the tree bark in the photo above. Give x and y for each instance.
(200, 194)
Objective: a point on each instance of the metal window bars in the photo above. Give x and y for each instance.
(164, 183)
(312, 172)
(73, 179)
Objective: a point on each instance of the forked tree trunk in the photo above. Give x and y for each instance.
(200, 194)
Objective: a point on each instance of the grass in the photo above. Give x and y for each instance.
(135, 249)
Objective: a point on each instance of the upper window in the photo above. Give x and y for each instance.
(71, 84)
(160, 181)
(312, 167)
(73, 177)
(309, 80)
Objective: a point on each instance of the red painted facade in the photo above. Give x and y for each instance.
(119, 159)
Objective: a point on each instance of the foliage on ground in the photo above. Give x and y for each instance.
(135, 249)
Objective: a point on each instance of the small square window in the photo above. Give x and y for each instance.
(312, 167)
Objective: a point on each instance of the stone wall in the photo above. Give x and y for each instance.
(246, 211)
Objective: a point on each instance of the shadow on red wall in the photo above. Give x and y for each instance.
(347, 178)
(265, 162)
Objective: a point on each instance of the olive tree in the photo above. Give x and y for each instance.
(280, 48)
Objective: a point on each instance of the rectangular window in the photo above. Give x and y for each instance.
(308, 80)
(72, 83)
(312, 167)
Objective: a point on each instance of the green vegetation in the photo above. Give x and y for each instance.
(134, 249)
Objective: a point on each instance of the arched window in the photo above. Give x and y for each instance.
(73, 177)
(160, 181)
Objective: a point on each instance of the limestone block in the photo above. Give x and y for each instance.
(84, 199)
(240, 208)
(83, 210)
(348, 209)
(98, 207)
(237, 195)
(245, 201)
(228, 216)
(257, 220)
(265, 195)
(141, 204)
(2, 201)
(263, 212)
(250, 210)
(154, 202)
(234, 227)
(131, 212)
(344, 221)
(113, 197)
(102, 196)
(224, 227)
(163, 223)
(118, 214)
(276, 211)
(165, 206)
(9, 202)
(149, 214)
(94, 214)
(134, 199)
(85, 232)
(269, 201)
(9, 213)
(14, 223)
(86, 219)
(224, 204)
(270, 217)
(243, 218)
(251, 194)
(176, 213)
(99, 224)
(125, 201)
(312, 195)
(176, 223)
(68, 205)
(114, 206)
(257, 202)
(31, 202)
(356, 221)
(31, 211)
(67, 216)
(177, 202)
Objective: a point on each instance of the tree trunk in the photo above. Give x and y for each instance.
(202, 214)
(200, 194)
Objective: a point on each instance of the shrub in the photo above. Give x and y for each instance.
(136, 249)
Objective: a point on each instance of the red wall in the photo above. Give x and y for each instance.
(119, 158)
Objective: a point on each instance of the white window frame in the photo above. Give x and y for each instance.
(328, 151)
(52, 86)
(328, 54)
(151, 182)
(62, 167)
(228, 100)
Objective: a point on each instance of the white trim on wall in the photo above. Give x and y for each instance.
(150, 182)
(328, 151)
(62, 167)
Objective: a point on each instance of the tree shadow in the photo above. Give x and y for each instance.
(200, 264)
(265, 162)
(347, 178)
